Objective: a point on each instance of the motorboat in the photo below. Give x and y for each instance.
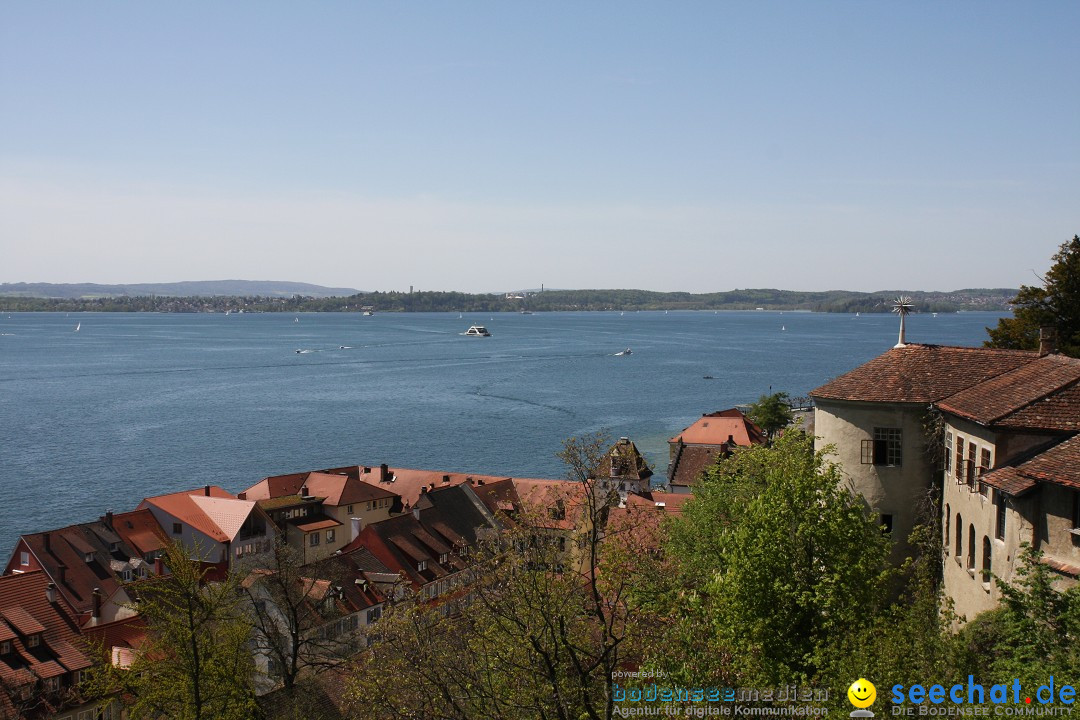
(627, 351)
(477, 331)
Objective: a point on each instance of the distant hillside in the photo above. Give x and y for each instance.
(290, 298)
(200, 288)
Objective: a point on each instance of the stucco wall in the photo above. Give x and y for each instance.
(893, 490)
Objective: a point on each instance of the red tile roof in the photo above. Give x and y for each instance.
(1059, 465)
(340, 486)
(922, 373)
(26, 610)
(62, 554)
(715, 429)
(996, 398)
(140, 530)
(691, 461)
(1060, 411)
(218, 515)
(410, 484)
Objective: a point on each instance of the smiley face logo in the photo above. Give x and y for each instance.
(862, 693)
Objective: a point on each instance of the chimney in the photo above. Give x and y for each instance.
(206, 490)
(1047, 341)
(384, 473)
(731, 440)
(95, 604)
(50, 592)
(242, 496)
(416, 513)
(357, 526)
(47, 541)
(423, 489)
(109, 519)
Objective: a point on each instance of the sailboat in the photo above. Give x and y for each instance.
(77, 326)
(783, 328)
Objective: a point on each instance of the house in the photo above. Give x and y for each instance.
(216, 527)
(1009, 477)
(140, 530)
(330, 603)
(709, 439)
(88, 564)
(991, 433)
(431, 546)
(42, 657)
(622, 470)
(321, 512)
(877, 416)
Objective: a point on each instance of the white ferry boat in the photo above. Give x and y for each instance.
(477, 331)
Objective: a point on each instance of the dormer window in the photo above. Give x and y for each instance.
(5, 647)
(32, 641)
(88, 557)
(421, 565)
(114, 547)
(444, 558)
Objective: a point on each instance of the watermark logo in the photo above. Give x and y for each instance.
(862, 694)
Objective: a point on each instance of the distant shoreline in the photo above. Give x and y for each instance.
(834, 301)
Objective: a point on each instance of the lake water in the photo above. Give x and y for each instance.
(133, 405)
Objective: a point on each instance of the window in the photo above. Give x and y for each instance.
(421, 565)
(886, 524)
(1076, 511)
(314, 539)
(971, 549)
(969, 467)
(349, 510)
(32, 641)
(986, 560)
(945, 541)
(374, 614)
(984, 467)
(177, 528)
(329, 536)
(885, 449)
(5, 647)
(959, 536)
(444, 558)
(948, 454)
(999, 526)
(52, 684)
(958, 466)
(24, 558)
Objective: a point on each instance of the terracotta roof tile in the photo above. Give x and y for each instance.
(219, 515)
(1012, 391)
(317, 522)
(1060, 411)
(691, 462)
(1061, 567)
(922, 373)
(715, 429)
(140, 530)
(23, 622)
(1059, 465)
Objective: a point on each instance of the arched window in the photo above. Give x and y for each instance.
(945, 542)
(959, 535)
(971, 548)
(986, 560)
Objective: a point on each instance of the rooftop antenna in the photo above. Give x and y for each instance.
(902, 306)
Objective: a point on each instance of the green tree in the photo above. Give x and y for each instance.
(1056, 305)
(196, 663)
(777, 561)
(771, 413)
(1033, 634)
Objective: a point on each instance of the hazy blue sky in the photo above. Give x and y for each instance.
(487, 146)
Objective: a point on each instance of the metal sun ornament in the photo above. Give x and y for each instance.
(902, 306)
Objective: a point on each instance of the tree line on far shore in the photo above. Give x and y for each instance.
(548, 301)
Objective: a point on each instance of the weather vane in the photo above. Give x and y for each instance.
(902, 306)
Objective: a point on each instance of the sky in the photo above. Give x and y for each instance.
(489, 146)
